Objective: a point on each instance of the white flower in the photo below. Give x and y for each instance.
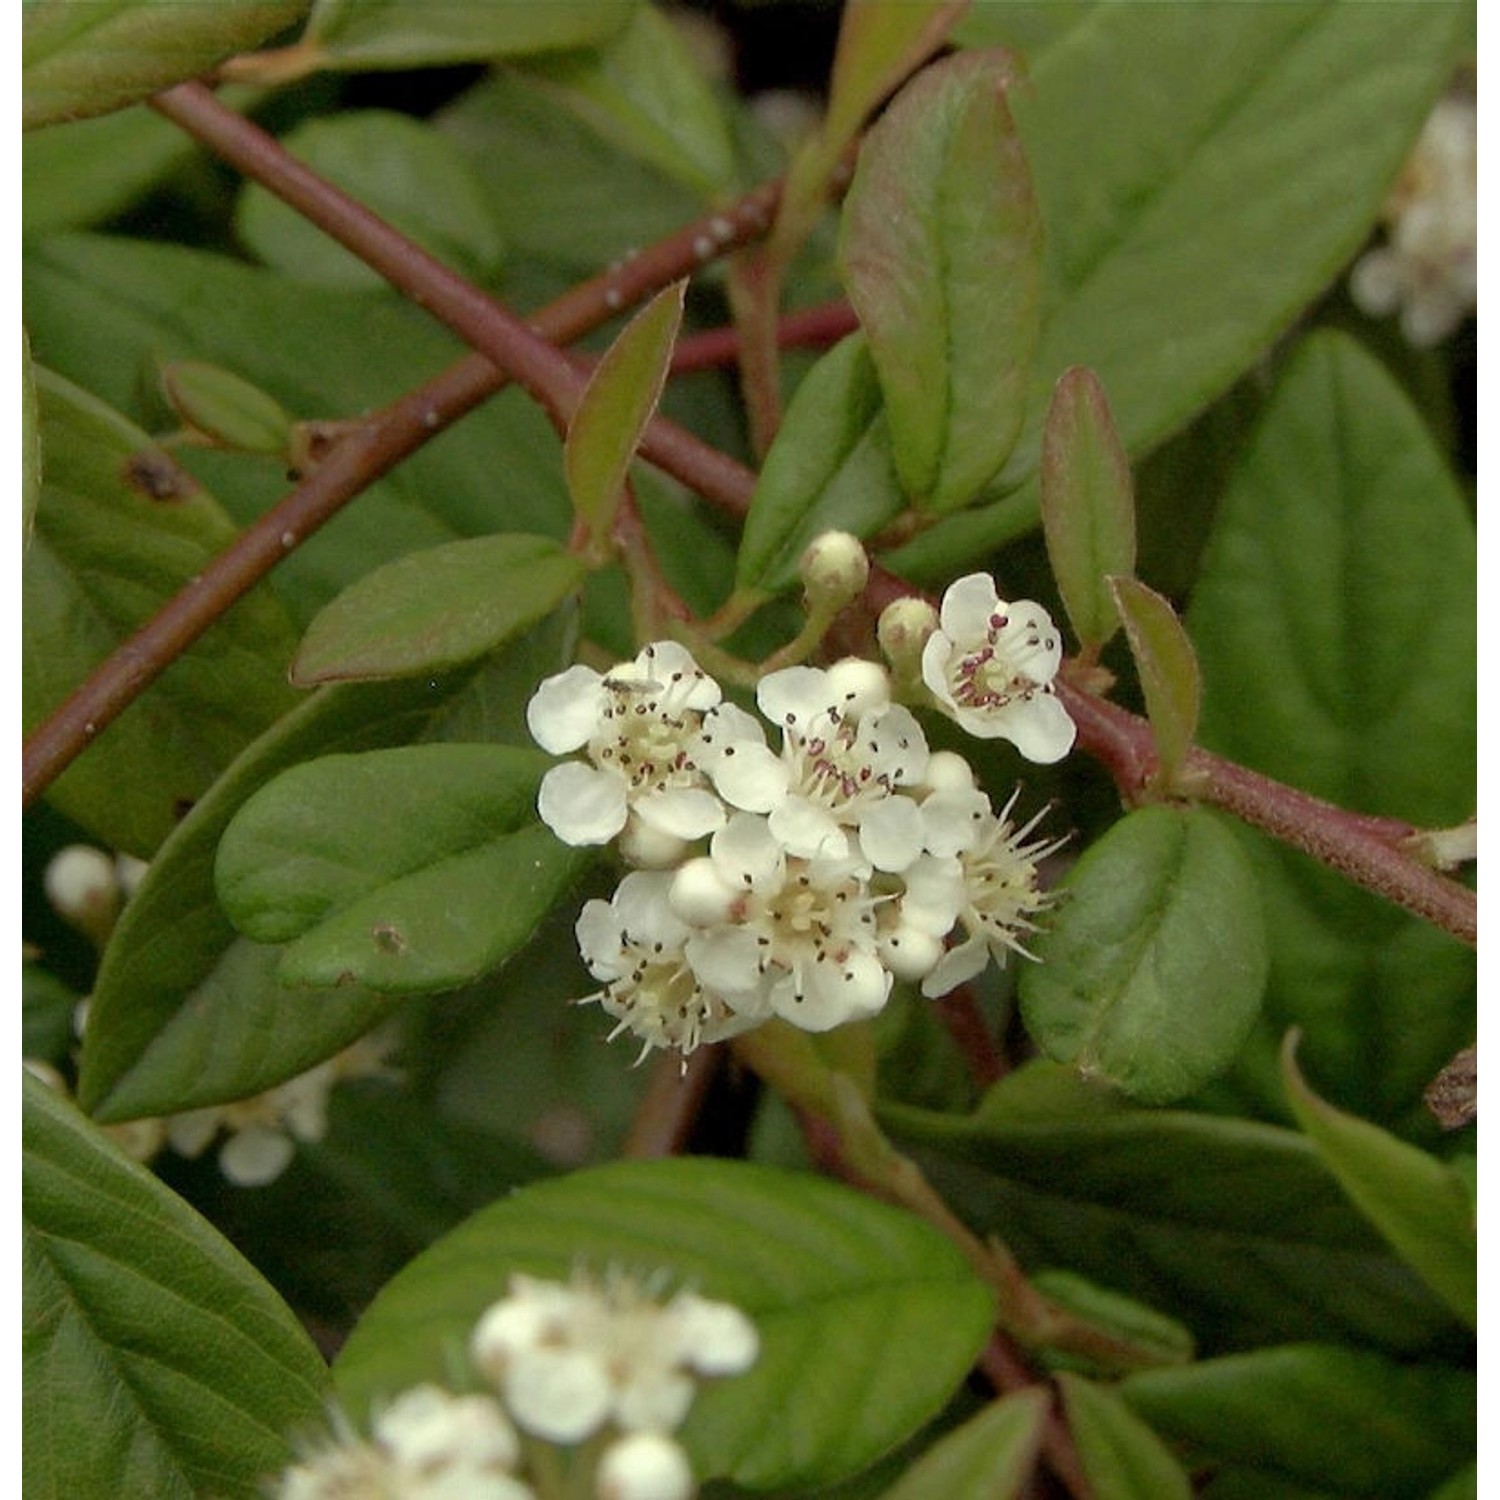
(990, 667)
(1427, 267)
(635, 945)
(644, 1466)
(998, 896)
(639, 726)
(846, 750)
(778, 934)
(569, 1359)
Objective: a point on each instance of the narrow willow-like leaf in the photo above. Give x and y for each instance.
(87, 59)
(1122, 1457)
(829, 469)
(1167, 667)
(355, 35)
(940, 249)
(989, 1458)
(185, 1012)
(413, 176)
(383, 868)
(618, 402)
(223, 407)
(834, 1281)
(1152, 971)
(1238, 136)
(121, 527)
(1419, 1204)
(436, 609)
(1241, 1219)
(1088, 504)
(1335, 1419)
(644, 90)
(879, 45)
(157, 1361)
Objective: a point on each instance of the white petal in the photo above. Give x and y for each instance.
(687, 812)
(560, 1395)
(644, 1466)
(643, 903)
(957, 965)
(749, 776)
(897, 746)
(649, 848)
(934, 893)
(1040, 729)
(794, 697)
(718, 1338)
(953, 820)
(255, 1156)
(700, 895)
(748, 854)
(891, 832)
(909, 953)
(582, 805)
(564, 711)
(1029, 621)
(967, 607)
(726, 960)
(598, 934)
(858, 686)
(804, 829)
(192, 1130)
(937, 654)
(684, 683)
(657, 1401)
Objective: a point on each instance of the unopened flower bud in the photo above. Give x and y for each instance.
(84, 890)
(644, 1466)
(699, 895)
(903, 631)
(834, 570)
(649, 848)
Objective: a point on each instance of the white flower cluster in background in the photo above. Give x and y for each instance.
(1426, 268)
(799, 880)
(603, 1361)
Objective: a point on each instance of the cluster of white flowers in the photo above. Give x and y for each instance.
(1427, 266)
(835, 863)
(594, 1359)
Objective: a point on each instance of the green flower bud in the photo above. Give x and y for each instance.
(224, 410)
(834, 570)
(902, 631)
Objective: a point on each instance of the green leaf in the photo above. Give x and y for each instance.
(436, 609)
(86, 57)
(1167, 667)
(156, 1360)
(989, 1458)
(1088, 504)
(101, 309)
(411, 175)
(1122, 1457)
(31, 443)
(225, 409)
(644, 90)
(1335, 612)
(120, 529)
(47, 1009)
(1345, 1419)
(834, 1282)
(1159, 1340)
(384, 866)
(354, 35)
(1152, 971)
(941, 255)
(1463, 1486)
(1204, 172)
(185, 1012)
(1240, 1220)
(829, 469)
(1421, 1206)
(616, 405)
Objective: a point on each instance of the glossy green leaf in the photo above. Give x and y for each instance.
(409, 174)
(354, 35)
(989, 1458)
(1354, 1422)
(834, 1281)
(436, 609)
(86, 57)
(1181, 151)
(1335, 613)
(156, 1360)
(644, 90)
(1335, 627)
(382, 868)
(47, 1008)
(1240, 1219)
(1421, 1205)
(1088, 504)
(31, 443)
(616, 405)
(1167, 667)
(830, 469)
(1152, 970)
(1121, 1456)
(185, 1012)
(1159, 1340)
(102, 309)
(941, 256)
(120, 529)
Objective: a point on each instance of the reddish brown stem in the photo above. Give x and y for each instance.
(670, 1105)
(814, 327)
